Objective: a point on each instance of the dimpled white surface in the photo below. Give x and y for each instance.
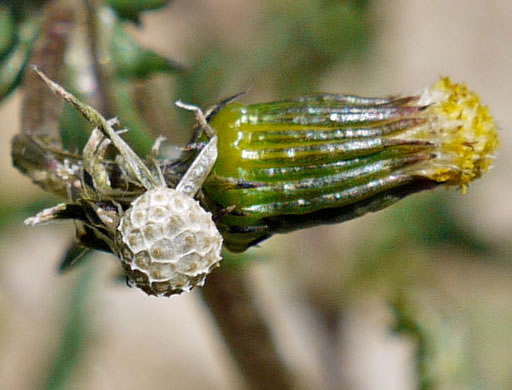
(167, 242)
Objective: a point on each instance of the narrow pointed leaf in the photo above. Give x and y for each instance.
(132, 61)
(7, 30)
(75, 255)
(13, 65)
(131, 9)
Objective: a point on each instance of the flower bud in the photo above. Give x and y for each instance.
(328, 158)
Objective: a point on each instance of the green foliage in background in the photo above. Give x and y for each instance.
(74, 334)
(297, 43)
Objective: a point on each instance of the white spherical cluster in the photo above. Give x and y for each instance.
(167, 242)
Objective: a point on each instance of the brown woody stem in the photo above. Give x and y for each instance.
(40, 112)
(245, 331)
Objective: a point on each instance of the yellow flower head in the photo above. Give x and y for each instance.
(463, 130)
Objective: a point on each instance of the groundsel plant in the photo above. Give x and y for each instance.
(265, 168)
(328, 158)
(166, 241)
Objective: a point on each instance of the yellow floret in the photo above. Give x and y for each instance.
(463, 130)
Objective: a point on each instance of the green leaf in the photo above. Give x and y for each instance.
(125, 106)
(74, 256)
(73, 336)
(7, 30)
(132, 61)
(407, 324)
(13, 65)
(131, 9)
(74, 129)
(444, 357)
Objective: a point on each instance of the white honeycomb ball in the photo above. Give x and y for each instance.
(167, 242)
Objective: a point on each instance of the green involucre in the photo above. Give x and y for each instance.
(288, 160)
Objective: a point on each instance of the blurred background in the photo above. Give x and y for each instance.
(419, 294)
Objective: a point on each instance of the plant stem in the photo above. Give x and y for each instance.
(244, 329)
(40, 112)
(98, 49)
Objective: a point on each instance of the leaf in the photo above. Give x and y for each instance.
(132, 61)
(7, 30)
(13, 65)
(74, 334)
(75, 255)
(131, 9)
